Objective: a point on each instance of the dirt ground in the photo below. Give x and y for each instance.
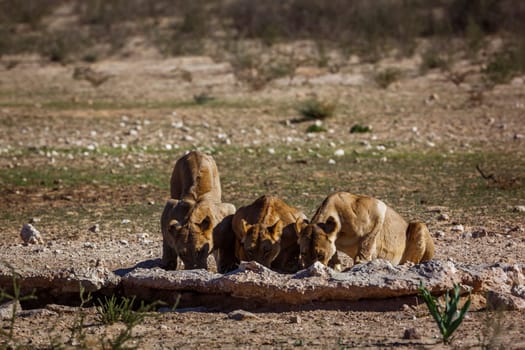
(89, 167)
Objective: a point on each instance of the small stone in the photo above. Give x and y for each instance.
(479, 233)
(518, 136)
(95, 228)
(30, 235)
(6, 309)
(34, 220)
(124, 242)
(457, 228)
(440, 234)
(504, 302)
(271, 150)
(443, 217)
(125, 221)
(240, 315)
(90, 245)
(411, 333)
(466, 235)
(339, 153)
(295, 319)
(519, 209)
(331, 161)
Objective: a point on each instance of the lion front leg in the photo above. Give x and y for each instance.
(169, 257)
(335, 263)
(367, 247)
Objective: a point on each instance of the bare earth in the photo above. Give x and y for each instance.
(131, 129)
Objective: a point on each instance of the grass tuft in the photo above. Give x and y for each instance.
(314, 109)
(447, 316)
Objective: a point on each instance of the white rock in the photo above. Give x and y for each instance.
(519, 208)
(124, 242)
(177, 125)
(31, 235)
(457, 228)
(90, 245)
(271, 150)
(339, 152)
(443, 217)
(126, 221)
(331, 161)
(440, 234)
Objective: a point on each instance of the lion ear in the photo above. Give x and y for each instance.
(205, 223)
(276, 229)
(245, 226)
(330, 226)
(299, 225)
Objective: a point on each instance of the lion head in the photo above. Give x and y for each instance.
(316, 241)
(192, 237)
(260, 242)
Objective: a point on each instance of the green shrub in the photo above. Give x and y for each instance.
(316, 128)
(505, 65)
(447, 316)
(433, 59)
(358, 128)
(386, 77)
(314, 109)
(202, 98)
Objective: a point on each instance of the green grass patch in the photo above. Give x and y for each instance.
(408, 180)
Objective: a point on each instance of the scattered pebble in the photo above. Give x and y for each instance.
(271, 150)
(31, 235)
(90, 245)
(519, 208)
(240, 315)
(124, 242)
(443, 217)
(411, 333)
(6, 309)
(339, 152)
(126, 221)
(95, 228)
(34, 220)
(331, 161)
(457, 228)
(295, 319)
(440, 234)
(479, 233)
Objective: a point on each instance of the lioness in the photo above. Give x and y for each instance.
(194, 222)
(264, 232)
(363, 227)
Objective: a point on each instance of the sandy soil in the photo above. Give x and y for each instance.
(44, 110)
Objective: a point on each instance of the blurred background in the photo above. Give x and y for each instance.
(237, 31)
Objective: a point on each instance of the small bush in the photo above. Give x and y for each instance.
(387, 77)
(111, 311)
(433, 59)
(447, 316)
(358, 128)
(314, 109)
(202, 98)
(316, 128)
(505, 65)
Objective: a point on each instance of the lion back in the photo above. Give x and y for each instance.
(195, 176)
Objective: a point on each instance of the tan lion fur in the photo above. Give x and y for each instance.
(265, 232)
(363, 227)
(194, 222)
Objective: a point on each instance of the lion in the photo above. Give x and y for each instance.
(264, 232)
(194, 222)
(363, 227)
